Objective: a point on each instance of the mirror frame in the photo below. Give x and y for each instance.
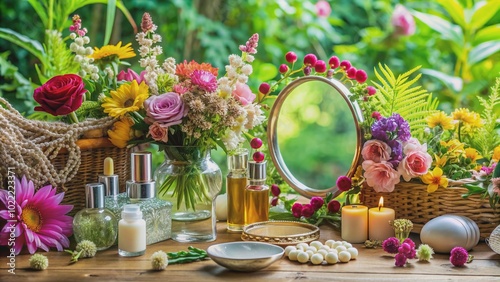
(272, 137)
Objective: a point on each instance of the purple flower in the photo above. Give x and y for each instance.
(400, 260)
(130, 75)
(205, 80)
(297, 210)
(391, 128)
(458, 256)
(166, 109)
(307, 210)
(409, 242)
(317, 203)
(391, 245)
(344, 183)
(405, 249)
(333, 206)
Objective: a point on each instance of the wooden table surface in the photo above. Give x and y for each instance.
(372, 265)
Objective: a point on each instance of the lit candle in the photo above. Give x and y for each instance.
(354, 228)
(379, 222)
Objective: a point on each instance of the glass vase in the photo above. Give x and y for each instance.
(190, 180)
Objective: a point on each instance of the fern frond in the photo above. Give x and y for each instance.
(60, 57)
(401, 95)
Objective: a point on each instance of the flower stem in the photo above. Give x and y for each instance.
(73, 118)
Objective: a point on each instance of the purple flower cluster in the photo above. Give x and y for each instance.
(403, 251)
(393, 130)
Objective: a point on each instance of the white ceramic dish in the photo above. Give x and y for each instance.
(245, 256)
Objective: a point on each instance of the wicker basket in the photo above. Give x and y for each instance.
(411, 201)
(93, 153)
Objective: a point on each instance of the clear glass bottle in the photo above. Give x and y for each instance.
(191, 180)
(131, 232)
(256, 194)
(113, 200)
(236, 182)
(141, 190)
(95, 222)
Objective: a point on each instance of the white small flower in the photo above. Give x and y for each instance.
(89, 51)
(81, 51)
(79, 41)
(73, 47)
(247, 69)
(72, 35)
(156, 38)
(250, 58)
(94, 76)
(235, 61)
(82, 73)
(242, 78)
(157, 50)
(86, 40)
(78, 59)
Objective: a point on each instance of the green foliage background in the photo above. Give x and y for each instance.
(357, 30)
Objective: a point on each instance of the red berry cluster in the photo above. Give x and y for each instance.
(275, 191)
(256, 143)
(403, 251)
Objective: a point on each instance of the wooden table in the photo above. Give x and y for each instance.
(372, 265)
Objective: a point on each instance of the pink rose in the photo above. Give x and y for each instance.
(167, 109)
(158, 132)
(60, 95)
(323, 9)
(376, 150)
(413, 145)
(131, 75)
(403, 21)
(243, 94)
(414, 164)
(381, 176)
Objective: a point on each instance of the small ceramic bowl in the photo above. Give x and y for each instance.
(245, 256)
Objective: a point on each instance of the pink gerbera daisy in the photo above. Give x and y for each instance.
(205, 80)
(38, 220)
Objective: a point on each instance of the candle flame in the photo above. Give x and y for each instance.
(380, 203)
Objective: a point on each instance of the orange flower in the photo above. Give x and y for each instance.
(472, 154)
(496, 154)
(185, 69)
(435, 179)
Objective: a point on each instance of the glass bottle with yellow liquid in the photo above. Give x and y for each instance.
(256, 194)
(236, 182)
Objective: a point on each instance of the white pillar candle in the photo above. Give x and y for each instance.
(354, 223)
(379, 219)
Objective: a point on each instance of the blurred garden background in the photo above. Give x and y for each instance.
(457, 42)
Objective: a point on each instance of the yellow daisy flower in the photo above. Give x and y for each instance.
(496, 154)
(467, 117)
(440, 118)
(472, 154)
(122, 132)
(435, 179)
(111, 51)
(440, 161)
(127, 98)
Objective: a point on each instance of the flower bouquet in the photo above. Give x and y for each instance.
(427, 163)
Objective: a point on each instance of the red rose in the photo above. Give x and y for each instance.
(60, 95)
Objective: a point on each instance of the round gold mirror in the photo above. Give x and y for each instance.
(314, 134)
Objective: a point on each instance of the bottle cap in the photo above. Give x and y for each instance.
(94, 195)
(257, 170)
(110, 182)
(238, 160)
(141, 191)
(140, 167)
(131, 211)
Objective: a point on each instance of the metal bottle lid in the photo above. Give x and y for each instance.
(140, 167)
(141, 191)
(257, 170)
(94, 195)
(238, 160)
(110, 184)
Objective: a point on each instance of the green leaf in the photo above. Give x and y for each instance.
(455, 9)
(266, 71)
(452, 82)
(483, 51)
(32, 46)
(496, 172)
(40, 10)
(483, 13)
(488, 33)
(110, 20)
(447, 30)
